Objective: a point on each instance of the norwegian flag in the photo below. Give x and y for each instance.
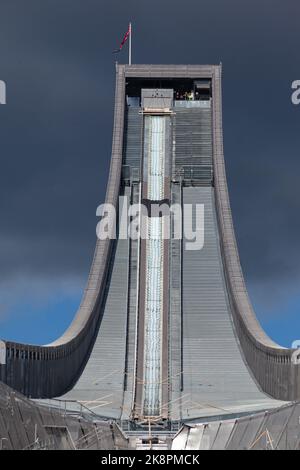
(126, 36)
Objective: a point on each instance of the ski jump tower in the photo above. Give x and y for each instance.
(163, 332)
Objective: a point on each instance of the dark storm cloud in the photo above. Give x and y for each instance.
(55, 130)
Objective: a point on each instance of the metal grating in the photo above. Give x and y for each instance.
(193, 134)
(215, 376)
(133, 138)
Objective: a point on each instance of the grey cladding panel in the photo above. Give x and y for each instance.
(214, 373)
(133, 138)
(103, 377)
(193, 136)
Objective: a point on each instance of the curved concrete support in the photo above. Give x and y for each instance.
(270, 363)
(51, 370)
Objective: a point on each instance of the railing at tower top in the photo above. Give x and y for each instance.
(194, 174)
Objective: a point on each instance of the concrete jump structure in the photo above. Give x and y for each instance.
(163, 333)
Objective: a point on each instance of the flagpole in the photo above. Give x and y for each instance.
(129, 53)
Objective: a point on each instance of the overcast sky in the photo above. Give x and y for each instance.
(55, 134)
